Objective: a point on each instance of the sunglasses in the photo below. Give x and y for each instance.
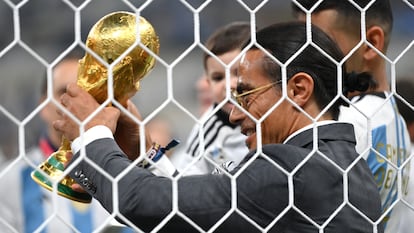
(240, 97)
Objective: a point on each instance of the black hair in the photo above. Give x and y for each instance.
(405, 87)
(226, 39)
(283, 40)
(379, 13)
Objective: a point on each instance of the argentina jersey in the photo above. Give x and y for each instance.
(383, 140)
(27, 207)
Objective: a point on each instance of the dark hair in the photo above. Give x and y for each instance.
(226, 39)
(379, 13)
(405, 88)
(285, 39)
(73, 55)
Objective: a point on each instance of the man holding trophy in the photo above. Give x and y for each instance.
(114, 64)
(259, 191)
(111, 37)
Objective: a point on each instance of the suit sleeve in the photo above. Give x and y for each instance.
(146, 199)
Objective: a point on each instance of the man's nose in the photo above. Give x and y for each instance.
(233, 82)
(236, 115)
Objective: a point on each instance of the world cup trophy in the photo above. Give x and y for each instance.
(109, 38)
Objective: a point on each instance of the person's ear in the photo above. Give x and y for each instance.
(300, 88)
(375, 36)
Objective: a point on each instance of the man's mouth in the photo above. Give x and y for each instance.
(248, 132)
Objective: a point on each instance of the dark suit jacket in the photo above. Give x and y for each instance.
(292, 187)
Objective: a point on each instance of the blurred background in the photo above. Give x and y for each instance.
(35, 32)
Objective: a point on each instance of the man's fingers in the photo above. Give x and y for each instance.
(59, 112)
(69, 129)
(64, 99)
(114, 112)
(72, 89)
(78, 188)
(58, 125)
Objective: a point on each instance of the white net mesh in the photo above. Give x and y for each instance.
(37, 35)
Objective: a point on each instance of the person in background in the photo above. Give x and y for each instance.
(204, 95)
(220, 138)
(405, 87)
(380, 130)
(24, 204)
(286, 176)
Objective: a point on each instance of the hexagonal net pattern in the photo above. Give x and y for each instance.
(310, 180)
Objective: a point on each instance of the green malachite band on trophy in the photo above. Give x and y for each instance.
(63, 190)
(55, 163)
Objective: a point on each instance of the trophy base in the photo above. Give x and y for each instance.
(62, 190)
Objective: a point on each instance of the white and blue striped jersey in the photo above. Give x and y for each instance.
(27, 207)
(383, 139)
(407, 218)
(223, 142)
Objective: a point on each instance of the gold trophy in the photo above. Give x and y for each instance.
(109, 38)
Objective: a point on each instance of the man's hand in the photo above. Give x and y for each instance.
(127, 133)
(81, 104)
(76, 187)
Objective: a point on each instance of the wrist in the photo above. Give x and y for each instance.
(156, 152)
(90, 135)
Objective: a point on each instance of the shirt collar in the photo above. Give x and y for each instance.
(316, 124)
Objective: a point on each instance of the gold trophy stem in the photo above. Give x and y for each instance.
(54, 167)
